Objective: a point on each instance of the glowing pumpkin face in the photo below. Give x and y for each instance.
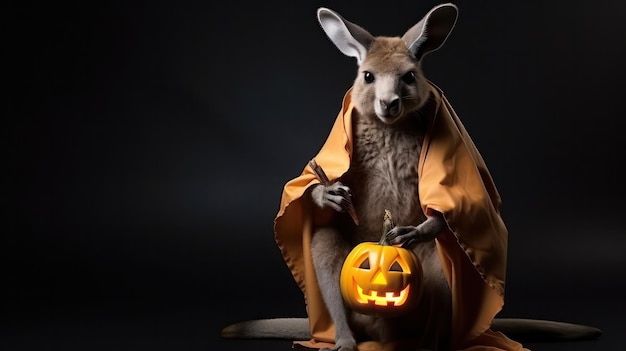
(381, 279)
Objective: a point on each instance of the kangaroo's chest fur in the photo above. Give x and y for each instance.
(383, 173)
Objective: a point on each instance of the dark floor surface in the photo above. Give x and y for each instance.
(179, 324)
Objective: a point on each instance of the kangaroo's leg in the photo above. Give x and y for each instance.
(329, 251)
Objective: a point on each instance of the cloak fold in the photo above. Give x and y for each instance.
(453, 180)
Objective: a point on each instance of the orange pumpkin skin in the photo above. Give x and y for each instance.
(381, 280)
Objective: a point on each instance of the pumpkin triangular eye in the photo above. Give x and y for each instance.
(395, 267)
(365, 264)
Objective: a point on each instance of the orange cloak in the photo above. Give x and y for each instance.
(453, 180)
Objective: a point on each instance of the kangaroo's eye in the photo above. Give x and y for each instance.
(409, 77)
(368, 76)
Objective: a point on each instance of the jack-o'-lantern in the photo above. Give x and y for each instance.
(377, 278)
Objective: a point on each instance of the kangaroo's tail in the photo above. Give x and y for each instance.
(537, 330)
(273, 328)
(523, 330)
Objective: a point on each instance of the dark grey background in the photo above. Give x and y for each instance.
(147, 144)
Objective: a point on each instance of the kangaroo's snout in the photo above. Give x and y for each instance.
(385, 90)
(388, 109)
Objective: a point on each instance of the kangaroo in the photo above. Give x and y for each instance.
(389, 93)
(392, 100)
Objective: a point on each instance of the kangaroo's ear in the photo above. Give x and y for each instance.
(432, 31)
(349, 38)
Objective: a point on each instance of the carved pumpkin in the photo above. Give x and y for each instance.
(377, 278)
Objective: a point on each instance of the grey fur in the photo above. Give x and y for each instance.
(272, 328)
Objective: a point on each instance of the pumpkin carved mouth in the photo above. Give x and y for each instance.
(381, 298)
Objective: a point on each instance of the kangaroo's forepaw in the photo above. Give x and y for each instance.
(336, 196)
(402, 235)
(409, 235)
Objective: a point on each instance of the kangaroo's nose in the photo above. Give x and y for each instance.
(390, 106)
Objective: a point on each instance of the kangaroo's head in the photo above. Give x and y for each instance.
(390, 83)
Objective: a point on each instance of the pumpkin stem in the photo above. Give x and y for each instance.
(387, 226)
